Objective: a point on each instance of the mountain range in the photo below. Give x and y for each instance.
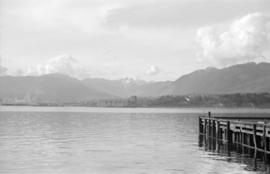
(242, 78)
(51, 88)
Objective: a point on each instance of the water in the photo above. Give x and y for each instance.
(112, 141)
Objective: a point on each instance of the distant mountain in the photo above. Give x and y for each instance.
(243, 78)
(128, 87)
(47, 88)
(120, 88)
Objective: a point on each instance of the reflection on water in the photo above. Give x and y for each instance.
(253, 159)
(111, 142)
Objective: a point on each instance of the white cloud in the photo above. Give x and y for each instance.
(153, 70)
(181, 14)
(63, 64)
(246, 40)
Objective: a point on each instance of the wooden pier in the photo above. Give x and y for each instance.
(248, 132)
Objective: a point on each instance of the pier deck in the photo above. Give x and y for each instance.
(246, 131)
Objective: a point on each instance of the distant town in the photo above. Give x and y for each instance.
(224, 100)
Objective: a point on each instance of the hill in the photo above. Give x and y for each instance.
(243, 78)
(128, 87)
(51, 88)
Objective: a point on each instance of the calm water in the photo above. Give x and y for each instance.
(113, 141)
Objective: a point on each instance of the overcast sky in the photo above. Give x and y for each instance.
(145, 39)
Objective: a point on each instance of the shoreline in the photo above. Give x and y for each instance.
(195, 110)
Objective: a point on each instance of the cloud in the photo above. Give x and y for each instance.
(3, 70)
(153, 70)
(246, 40)
(180, 14)
(63, 64)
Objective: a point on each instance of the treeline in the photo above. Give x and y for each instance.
(224, 100)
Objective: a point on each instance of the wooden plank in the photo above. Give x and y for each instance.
(243, 117)
(258, 149)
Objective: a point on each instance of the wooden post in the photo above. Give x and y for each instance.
(264, 137)
(235, 137)
(205, 125)
(200, 125)
(244, 138)
(241, 136)
(248, 139)
(228, 132)
(218, 130)
(265, 142)
(214, 129)
(254, 136)
(209, 128)
(209, 124)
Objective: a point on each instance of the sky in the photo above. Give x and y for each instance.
(141, 39)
